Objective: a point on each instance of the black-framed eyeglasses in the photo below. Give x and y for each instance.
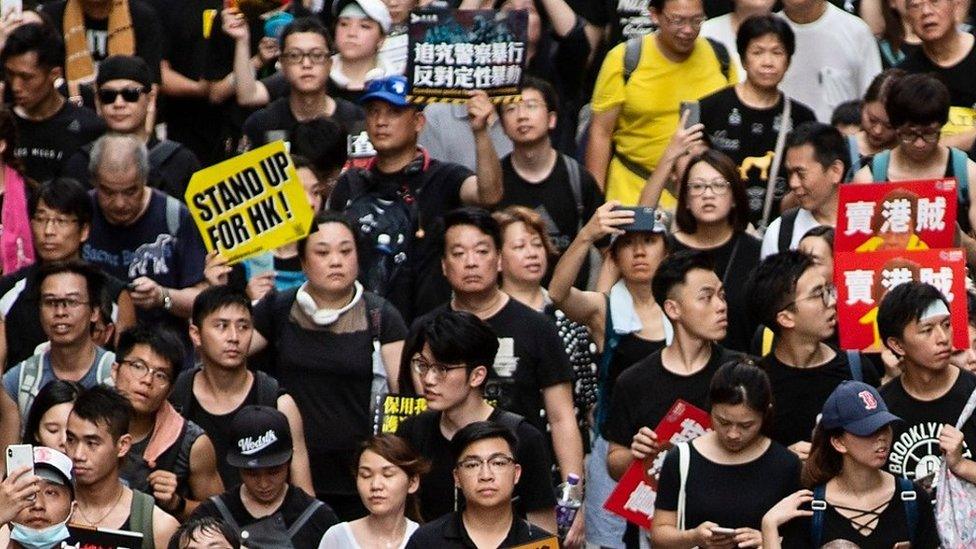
(296, 56)
(59, 222)
(59, 302)
(909, 135)
(495, 463)
(421, 366)
(718, 186)
(826, 293)
(141, 370)
(129, 95)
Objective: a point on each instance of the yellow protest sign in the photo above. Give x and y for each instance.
(249, 204)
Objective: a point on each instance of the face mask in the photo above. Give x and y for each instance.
(45, 538)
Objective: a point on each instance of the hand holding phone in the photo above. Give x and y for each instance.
(693, 108)
(719, 531)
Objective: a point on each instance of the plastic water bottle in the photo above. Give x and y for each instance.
(569, 501)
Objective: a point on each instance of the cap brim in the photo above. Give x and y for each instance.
(870, 425)
(51, 474)
(241, 461)
(387, 97)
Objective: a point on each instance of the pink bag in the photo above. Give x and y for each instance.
(955, 500)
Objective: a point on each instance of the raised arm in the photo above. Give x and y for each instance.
(682, 143)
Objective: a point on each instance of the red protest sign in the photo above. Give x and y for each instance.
(633, 498)
(863, 279)
(907, 215)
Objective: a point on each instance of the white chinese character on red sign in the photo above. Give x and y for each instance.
(941, 279)
(893, 277)
(859, 216)
(859, 285)
(931, 214)
(897, 214)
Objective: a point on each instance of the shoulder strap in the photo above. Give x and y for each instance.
(879, 166)
(854, 362)
(967, 411)
(172, 215)
(785, 126)
(303, 518)
(374, 314)
(268, 389)
(960, 169)
(722, 54)
(786, 226)
(855, 153)
(31, 372)
(632, 55)
(819, 506)
(684, 461)
(610, 341)
(162, 152)
(909, 499)
(141, 517)
(182, 395)
(225, 512)
(103, 371)
(575, 185)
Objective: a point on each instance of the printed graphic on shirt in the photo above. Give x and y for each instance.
(916, 454)
(150, 258)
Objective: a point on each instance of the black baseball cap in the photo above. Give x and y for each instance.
(261, 438)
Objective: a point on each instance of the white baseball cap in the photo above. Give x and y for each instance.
(373, 9)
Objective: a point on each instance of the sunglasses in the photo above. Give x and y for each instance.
(129, 95)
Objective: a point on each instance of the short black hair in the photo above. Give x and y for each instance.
(847, 113)
(825, 232)
(903, 305)
(829, 145)
(772, 285)
(35, 37)
(674, 269)
(659, 4)
(720, 162)
(478, 218)
(94, 278)
(54, 393)
(758, 26)
(917, 99)
(306, 24)
(103, 405)
(546, 89)
(217, 297)
(323, 141)
(454, 337)
(160, 339)
(329, 216)
(482, 430)
(64, 194)
(741, 381)
(188, 531)
(971, 308)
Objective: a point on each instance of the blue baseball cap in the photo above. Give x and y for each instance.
(856, 408)
(391, 89)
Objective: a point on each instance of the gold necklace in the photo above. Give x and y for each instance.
(114, 505)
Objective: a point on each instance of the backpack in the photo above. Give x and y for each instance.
(32, 372)
(182, 395)
(141, 517)
(268, 532)
(786, 225)
(958, 158)
(632, 55)
(909, 499)
(576, 185)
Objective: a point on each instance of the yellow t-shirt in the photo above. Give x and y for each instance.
(649, 105)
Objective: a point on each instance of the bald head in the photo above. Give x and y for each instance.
(116, 153)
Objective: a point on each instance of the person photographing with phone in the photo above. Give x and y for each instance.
(36, 499)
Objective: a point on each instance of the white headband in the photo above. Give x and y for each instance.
(936, 308)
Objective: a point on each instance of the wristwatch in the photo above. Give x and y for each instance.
(167, 299)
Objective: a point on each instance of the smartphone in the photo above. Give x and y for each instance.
(131, 286)
(260, 264)
(694, 112)
(644, 218)
(19, 455)
(718, 530)
(13, 7)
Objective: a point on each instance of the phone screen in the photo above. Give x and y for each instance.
(19, 455)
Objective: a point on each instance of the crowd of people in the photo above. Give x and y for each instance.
(651, 220)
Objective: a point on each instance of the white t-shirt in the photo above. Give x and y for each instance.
(836, 58)
(720, 29)
(804, 222)
(340, 537)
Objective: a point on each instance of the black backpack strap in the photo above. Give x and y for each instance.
(819, 507)
(722, 54)
(854, 362)
(632, 55)
(786, 226)
(303, 518)
(162, 152)
(575, 185)
(225, 512)
(268, 389)
(182, 395)
(374, 314)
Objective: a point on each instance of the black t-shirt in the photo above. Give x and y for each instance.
(732, 496)
(553, 199)
(799, 393)
(328, 370)
(437, 189)
(530, 358)
(171, 175)
(748, 136)
(176, 459)
(43, 146)
(276, 121)
(448, 532)
(20, 309)
(959, 78)
(733, 261)
(295, 503)
(145, 24)
(915, 452)
(437, 495)
(645, 392)
(892, 526)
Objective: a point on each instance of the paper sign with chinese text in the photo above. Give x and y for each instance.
(863, 279)
(394, 409)
(634, 496)
(249, 204)
(454, 52)
(907, 215)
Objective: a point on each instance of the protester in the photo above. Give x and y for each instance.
(48, 416)
(265, 509)
(205, 533)
(328, 338)
(486, 471)
(898, 40)
(725, 28)
(754, 471)
(16, 244)
(360, 28)
(450, 352)
(38, 512)
(858, 501)
(387, 477)
(818, 243)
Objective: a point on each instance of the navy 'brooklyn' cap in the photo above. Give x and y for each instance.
(856, 408)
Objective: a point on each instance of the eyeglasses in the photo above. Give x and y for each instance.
(673, 21)
(129, 95)
(495, 463)
(66, 302)
(908, 135)
(59, 222)
(827, 294)
(919, 4)
(294, 57)
(141, 369)
(421, 366)
(532, 105)
(718, 186)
